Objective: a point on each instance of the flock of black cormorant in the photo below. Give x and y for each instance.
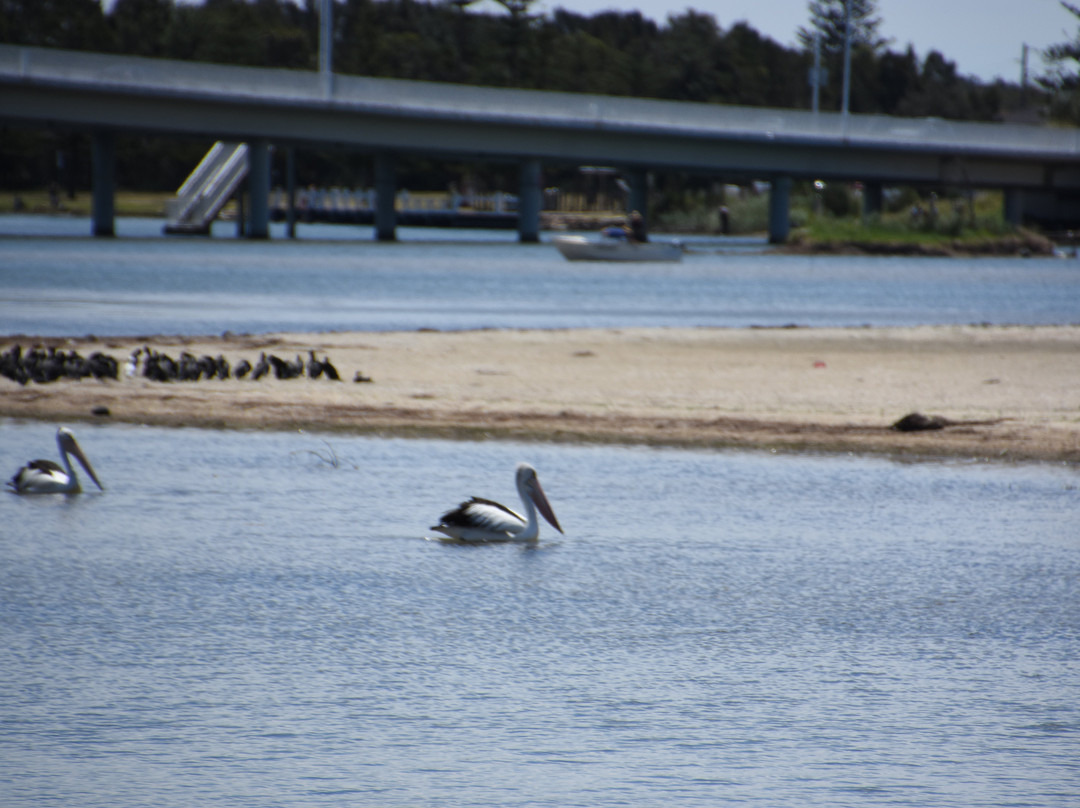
(43, 365)
(161, 367)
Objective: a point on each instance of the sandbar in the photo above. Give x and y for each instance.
(1008, 392)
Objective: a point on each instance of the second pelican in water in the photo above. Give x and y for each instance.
(47, 477)
(480, 520)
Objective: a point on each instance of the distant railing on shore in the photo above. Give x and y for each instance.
(343, 205)
(431, 209)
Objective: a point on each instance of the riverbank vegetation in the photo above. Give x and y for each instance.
(127, 203)
(878, 236)
(830, 218)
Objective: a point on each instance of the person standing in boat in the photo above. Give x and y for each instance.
(635, 228)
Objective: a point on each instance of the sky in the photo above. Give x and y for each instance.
(985, 38)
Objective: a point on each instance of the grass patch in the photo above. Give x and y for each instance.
(128, 203)
(982, 235)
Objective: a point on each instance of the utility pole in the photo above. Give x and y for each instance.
(815, 73)
(1024, 76)
(847, 58)
(326, 46)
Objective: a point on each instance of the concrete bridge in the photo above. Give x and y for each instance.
(1037, 167)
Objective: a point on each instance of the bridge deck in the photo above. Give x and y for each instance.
(85, 89)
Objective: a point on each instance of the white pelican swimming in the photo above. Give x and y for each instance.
(480, 520)
(47, 477)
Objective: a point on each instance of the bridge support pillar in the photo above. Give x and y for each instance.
(529, 201)
(1014, 206)
(103, 157)
(780, 210)
(290, 192)
(872, 199)
(638, 200)
(385, 191)
(258, 189)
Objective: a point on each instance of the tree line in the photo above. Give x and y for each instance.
(689, 57)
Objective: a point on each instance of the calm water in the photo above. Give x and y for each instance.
(53, 282)
(250, 619)
(249, 624)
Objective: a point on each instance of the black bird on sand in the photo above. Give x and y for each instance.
(262, 367)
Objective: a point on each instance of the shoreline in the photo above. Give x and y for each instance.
(827, 390)
(1022, 243)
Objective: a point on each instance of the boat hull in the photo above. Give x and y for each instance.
(580, 248)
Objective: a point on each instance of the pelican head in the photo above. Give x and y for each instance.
(65, 439)
(529, 486)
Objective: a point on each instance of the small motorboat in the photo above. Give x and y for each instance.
(608, 247)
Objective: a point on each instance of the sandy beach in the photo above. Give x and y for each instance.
(1010, 393)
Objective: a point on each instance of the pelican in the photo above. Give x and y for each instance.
(480, 520)
(47, 477)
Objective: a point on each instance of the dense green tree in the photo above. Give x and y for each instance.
(265, 33)
(518, 36)
(690, 65)
(72, 24)
(356, 38)
(753, 62)
(828, 20)
(897, 76)
(940, 92)
(620, 52)
(1063, 79)
(581, 62)
(139, 26)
